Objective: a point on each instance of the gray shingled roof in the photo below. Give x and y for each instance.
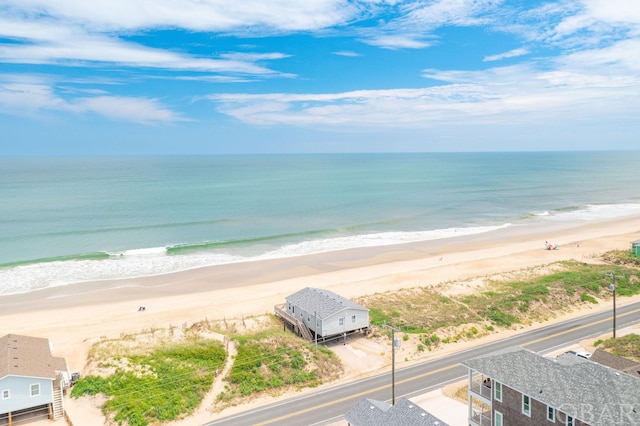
(324, 302)
(370, 412)
(568, 383)
(28, 356)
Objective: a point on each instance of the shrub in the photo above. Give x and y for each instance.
(586, 297)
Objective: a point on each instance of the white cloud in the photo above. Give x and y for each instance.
(197, 15)
(510, 54)
(554, 92)
(396, 42)
(412, 27)
(35, 96)
(347, 53)
(595, 21)
(451, 12)
(75, 47)
(119, 108)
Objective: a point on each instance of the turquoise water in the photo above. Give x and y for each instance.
(66, 220)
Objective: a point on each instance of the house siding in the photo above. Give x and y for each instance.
(20, 396)
(511, 409)
(331, 326)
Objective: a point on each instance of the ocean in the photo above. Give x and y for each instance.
(70, 220)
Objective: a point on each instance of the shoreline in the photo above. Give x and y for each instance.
(253, 272)
(73, 317)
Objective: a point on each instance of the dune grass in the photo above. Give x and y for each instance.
(505, 303)
(164, 384)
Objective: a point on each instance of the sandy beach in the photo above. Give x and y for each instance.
(73, 317)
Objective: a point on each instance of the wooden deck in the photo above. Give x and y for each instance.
(299, 327)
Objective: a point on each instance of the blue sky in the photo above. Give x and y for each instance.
(125, 77)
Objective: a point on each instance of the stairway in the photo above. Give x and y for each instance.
(300, 327)
(58, 403)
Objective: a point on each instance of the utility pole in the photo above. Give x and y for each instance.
(315, 332)
(613, 288)
(393, 362)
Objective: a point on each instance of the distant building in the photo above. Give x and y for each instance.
(370, 412)
(31, 380)
(516, 386)
(635, 247)
(315, 312)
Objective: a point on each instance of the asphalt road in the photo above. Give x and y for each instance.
(329, 405)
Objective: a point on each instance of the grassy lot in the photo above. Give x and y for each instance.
(627, 346)
(154, 377)
(151, 384)
(503, 303)
(274, 360)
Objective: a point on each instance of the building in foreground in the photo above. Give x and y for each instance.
(516, 386)
(317, 313)
(370, 412)
(32, 380)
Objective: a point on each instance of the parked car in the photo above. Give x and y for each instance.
(581, 354)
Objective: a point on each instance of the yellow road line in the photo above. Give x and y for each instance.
(420, 376)
(357, 395)
(560, 333)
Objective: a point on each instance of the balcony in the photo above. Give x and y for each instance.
(480, 417)
(482, 388)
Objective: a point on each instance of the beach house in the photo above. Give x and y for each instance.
(32, 380)
(321, 314)
(635, 247)
(516, 386)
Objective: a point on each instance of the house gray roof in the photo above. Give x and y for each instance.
(568, 383)
(370, 412)
(324, 302)
(28, 356)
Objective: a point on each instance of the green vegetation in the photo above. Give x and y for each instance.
(275, 359)
(503, 303)
(622, 257)
(627, 346)
(164, 384)
(152, 378)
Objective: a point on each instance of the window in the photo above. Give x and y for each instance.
(341, 322)
(497, 418)
(35, 389)
(353, 319)
(570, 421)
(5, 393)
(526, 405)
(551, 414)
(497, 392)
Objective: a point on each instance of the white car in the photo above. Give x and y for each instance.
(581, 354)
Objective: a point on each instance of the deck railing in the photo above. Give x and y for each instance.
(481, 418)
(482, 389)
(296, 322)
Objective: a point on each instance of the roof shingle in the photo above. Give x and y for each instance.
(370, 412)
(324, 302)
(568, 383)
(28, 356)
